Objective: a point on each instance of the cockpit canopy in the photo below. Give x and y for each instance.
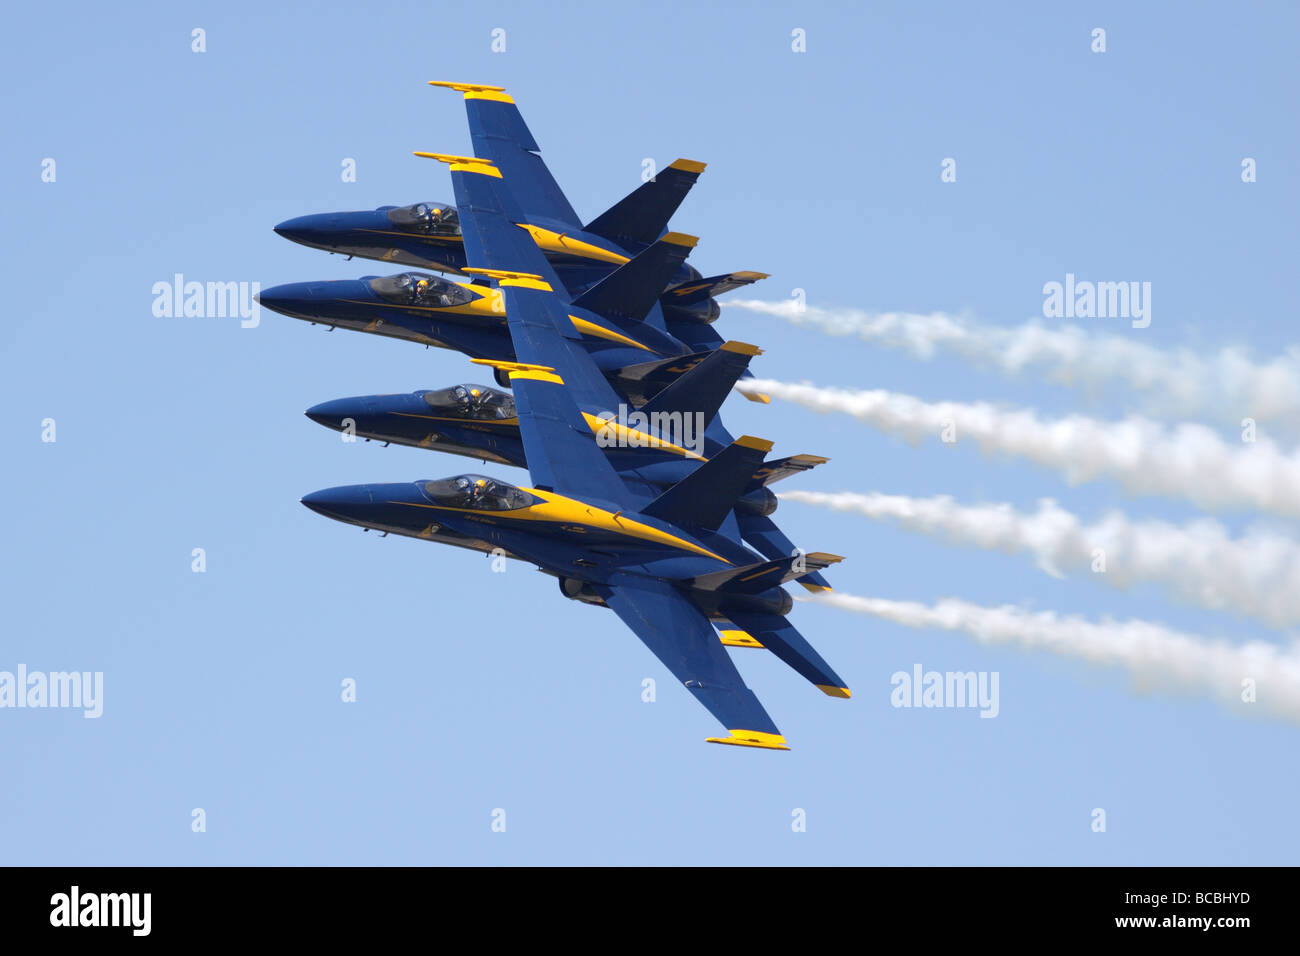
(477, 492)
(420, 288)
(476, 402)
(426, 219)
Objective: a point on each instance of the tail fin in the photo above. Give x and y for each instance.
(704, 388)
(706, 496)
(640, 217)
(701, 337)
(755, 578)
(781, 468)
(780, 637)
(631, 290)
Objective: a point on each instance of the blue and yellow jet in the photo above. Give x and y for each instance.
(610, 319)
(427, 235)
(667, 564)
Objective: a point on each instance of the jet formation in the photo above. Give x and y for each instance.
(609, 378)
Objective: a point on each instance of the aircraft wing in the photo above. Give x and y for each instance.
(558, 440)
(682, 638)
(499, 133)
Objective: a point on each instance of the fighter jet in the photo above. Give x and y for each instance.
(427, 235)
(657, 446)
(470, 317)
(667, 565)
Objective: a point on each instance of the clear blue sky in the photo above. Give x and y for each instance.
(479, 690)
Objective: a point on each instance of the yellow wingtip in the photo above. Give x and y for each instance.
(466, 87)
(512, 366)
(758, 397)
(741, 348)
(688, 165)
(506, 277)
(830, 690)
(469, 164)
(476, 91)
(733, 638)
(751, 738)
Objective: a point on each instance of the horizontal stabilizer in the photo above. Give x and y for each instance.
(703, 389)
(779, 636)
(643, 381)
(762, 534)
(756, 578)
(781, 468)
(707, 495)
(688, 293)
(640, 218)
(631, 290)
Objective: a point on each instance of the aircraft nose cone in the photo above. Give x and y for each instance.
(288, 299)
(318, 501)
(345, 503)
(332, 413)
(305, 229)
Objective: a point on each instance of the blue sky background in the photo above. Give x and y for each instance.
(479, 690)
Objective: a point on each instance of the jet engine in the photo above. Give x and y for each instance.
(576, 590)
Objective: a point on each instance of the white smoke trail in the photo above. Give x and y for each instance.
(1185, 461)
(1227, 384)
(1152, 653)
(1257, 575)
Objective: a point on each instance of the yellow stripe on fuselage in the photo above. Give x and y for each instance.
(487, 304)
(549, 241)
(560, 509)
(600, 332)
(511, 422)
(626, 436)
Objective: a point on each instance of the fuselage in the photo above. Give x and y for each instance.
(464, 317)
(477, 421)
(427, 236)
(569, 537)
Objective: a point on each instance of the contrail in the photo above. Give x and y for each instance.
(1225, 384)
(1257, 575)
(1153, 654)
(1185, 461)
